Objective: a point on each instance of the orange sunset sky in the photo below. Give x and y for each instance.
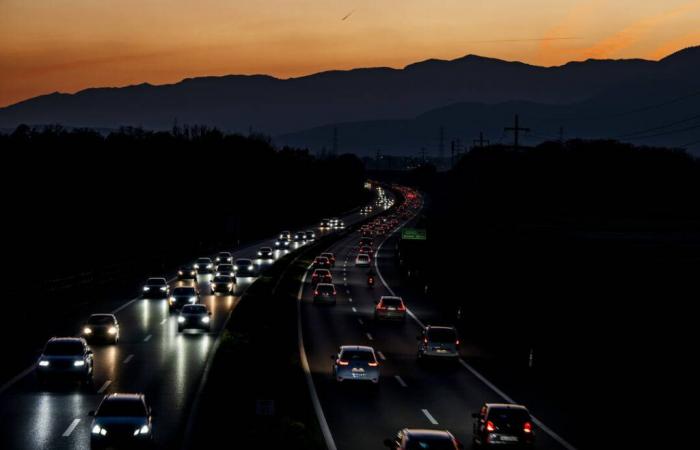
(68, 45)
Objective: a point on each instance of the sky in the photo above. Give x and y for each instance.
(69, 45)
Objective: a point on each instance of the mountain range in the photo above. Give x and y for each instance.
(404, 110)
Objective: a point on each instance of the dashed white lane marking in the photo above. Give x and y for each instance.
(362, 322)
(381, 356)
(71, 427)
(369, 336)
(350, 300)
(354, 309)
(162, 322)
(401, 382)
(104, 386)
(147, 338)
(427, 414)
(347, 291)
(128, 358)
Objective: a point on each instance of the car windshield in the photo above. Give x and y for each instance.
(357, 355)
(203, 261)
(194, 309)
(122, 408)
(266, 249)
(156, 282)
(442, 335)
(221, 279)
(506, 416)
(101, 320)
(224, 267)
(63, 348)
(224, 255)
(430, 443)
(327, 255)
(326, 288)
(395, 302)
(322, 272)
(363, 257)
(185, 290)
(243, 262)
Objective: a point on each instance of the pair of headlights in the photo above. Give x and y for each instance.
(145, 429)
(110, 330)
(182, 319)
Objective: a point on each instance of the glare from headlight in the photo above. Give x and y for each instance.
(259, 253)
(164, 288)
(205, 319)
(209, 266)
(181, 319)
(87, 330)
(251, 267)
(44, 363)
(78, 363)
(230, 285)
(146, 288)
(179, 272)
(192, 273)
(143, 430)
(112, 330)
(171, 300)
(99, 430)
(196, 266)
(193, 299)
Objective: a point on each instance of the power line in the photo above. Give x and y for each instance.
(660, 127)
(666, 133)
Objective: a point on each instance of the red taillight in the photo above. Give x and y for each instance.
(490, 427)
(527, 427)
(315, 292)
(373, 364)
(425, 340)
(343, 363)
(457, 342)
(402, 308)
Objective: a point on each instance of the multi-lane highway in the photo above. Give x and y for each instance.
(409, 394)
(151, 357)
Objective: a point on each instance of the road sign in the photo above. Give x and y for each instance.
(413, 234)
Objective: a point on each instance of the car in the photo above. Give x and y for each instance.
(300, 236)
(339, 224)
(439, 343)
(321, 276)
(224, 258)
(266, 253)
(321, 262)
(224, 270)
(356, 363)
(325, 224)
(156, 288)
(223, 284)
(194, 317)
(286, 234)
(101, 327)
(365, 249)
(187, 273)
(183, 295)
(330, 256)
(390, 308)
(203, 266)
(283, 243)
(498, 424)
(309, 235)
(244, 267)
(422, 439)
(366, 241)
(363, 260)
(325, 293)
(65, 358)
(122, 420)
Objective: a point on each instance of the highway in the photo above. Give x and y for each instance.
(409, 395)
(151, 357)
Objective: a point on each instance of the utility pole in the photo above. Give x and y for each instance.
(516, 131)
(441, 148)
(561, 135)
(422, 154)
(335, 141)
(480, 142)
(452, 158)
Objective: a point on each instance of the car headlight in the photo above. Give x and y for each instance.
(112, 330)
(171, 300)
(87, 330)
(80, 363)
(179, 272)
(192, 272)
(209, 266)
(44, 363)
(230, 285)
(251, 267)
(196, 266)
(146, 288)
(193, 299)
(181, 319)
(99, 430)
(218, 274)
(164, 288)
(259, 253)
(205, 319)
(143, 430)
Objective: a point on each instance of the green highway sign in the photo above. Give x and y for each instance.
(413, 234)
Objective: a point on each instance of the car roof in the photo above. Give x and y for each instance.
(435, 327)
(505, 406)
(158, 279)
(325, 285)
(322, 271)
(197, 306)
(67, 339)
(265, 248)
(103, 315)
(390, 297)
(243, 260)
(417, 433)
(359, 348)
(224, 253)
(124, 396)
(182, 288)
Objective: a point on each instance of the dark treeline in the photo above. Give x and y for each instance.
(79, 201)
(587, 252)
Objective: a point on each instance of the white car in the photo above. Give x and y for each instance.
(356, 363)
(363, 260)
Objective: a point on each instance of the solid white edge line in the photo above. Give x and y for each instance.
(429, 416)
(128, 358)
(473, 371)
(400, 381)
(17, 377)
(147, 338)
(71, 427)
(325, 429)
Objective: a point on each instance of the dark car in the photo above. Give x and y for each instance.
(65, 358)
(309, 235)
(224, 258)
(203, 266)
(325, 293)
(101, 327)
(183, 295)
(330, 256)
(419, 439)
(321, 276)
(266, 253)
(122, 420)
(223, 284)
(498, 424)
(244, 267)
(325, 224)
(283, 243)
(194, 317)
(156, 288)
(366, 241)
(438, 343)
(300, 237)
(225, 270)
(187, 273)
(321, 262)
